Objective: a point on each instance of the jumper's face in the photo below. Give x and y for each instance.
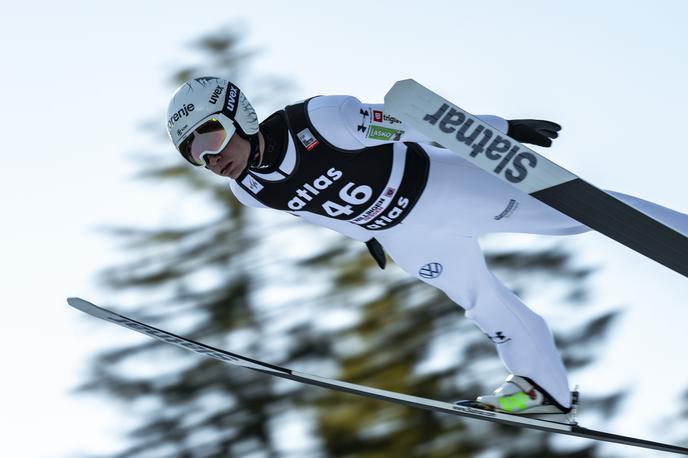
(232, 159)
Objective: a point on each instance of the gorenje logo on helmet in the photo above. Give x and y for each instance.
(231, 100)
(183, 111)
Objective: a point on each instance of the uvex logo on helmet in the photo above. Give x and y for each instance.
(214, 97)
(232, 99)
(183, 111)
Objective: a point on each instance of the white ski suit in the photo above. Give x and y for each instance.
(436, 239)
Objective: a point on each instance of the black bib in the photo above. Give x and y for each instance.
(373, 187)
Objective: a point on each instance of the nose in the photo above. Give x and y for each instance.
(212, 159)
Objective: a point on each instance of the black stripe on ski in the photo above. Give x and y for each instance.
(361, 390)
(600, 211)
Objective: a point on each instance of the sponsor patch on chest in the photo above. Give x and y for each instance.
(252, 184)
(384, 133)
(307, 139)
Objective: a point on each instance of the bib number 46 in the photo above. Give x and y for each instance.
(356, 196)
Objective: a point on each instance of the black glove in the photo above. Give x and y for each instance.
(533, 131)
(377, 252)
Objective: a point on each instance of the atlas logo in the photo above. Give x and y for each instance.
(392, 214)
(216, 95)
(231, 101)
(431, 270)
(182, 113)
(511, 161)
(306, 193)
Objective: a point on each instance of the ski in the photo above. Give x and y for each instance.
(361, 390)
(532, 173)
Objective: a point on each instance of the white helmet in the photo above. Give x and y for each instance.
(210, 103)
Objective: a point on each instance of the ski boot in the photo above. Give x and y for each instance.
(521, 396)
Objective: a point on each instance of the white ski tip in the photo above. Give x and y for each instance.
(77, 302)
(87, 307)
(400, 87)
(406, 82)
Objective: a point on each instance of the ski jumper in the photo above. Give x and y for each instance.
(355, 169)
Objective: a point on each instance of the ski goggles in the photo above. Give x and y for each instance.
(207, 139)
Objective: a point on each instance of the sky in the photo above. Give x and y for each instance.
(81, 78)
